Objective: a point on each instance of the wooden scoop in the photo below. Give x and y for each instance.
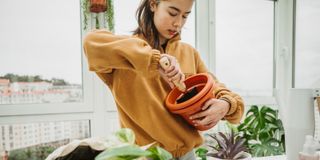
(187, 93)
(165, 64)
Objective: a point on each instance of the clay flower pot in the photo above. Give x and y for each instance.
(239, 156)
(204, 85)
(97, 6)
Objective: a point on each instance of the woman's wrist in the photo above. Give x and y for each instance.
(228, 102)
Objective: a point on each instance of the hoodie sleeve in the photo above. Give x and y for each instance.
(220, 91)
(236, 110)
(106, 51)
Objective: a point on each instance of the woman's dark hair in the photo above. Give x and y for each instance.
(146, 25)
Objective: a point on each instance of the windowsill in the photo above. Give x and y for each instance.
(281, 157)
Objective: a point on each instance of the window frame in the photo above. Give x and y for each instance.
(284, 51)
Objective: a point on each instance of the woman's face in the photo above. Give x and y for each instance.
(170, 16)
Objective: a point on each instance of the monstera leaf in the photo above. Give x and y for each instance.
(263, 131)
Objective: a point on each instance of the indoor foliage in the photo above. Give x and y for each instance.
(263, 131)
(228, 146)
(108, 14)
(125, 149)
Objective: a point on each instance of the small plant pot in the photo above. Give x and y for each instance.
(204, 85)
(97, 6)
(240, 156)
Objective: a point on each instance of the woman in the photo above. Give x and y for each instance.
(129, 65)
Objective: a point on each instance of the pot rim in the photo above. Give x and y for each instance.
(208, 84)
(185, 109)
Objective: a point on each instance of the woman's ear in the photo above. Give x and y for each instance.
(153, 5)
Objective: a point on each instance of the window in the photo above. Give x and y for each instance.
(244, 46)
(41, 136)
(307, 49)
(41, 65)
(40, 59)
(125, 22)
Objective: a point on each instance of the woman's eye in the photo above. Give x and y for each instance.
(173, 14)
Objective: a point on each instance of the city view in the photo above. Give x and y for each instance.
(37, 140)
(15, 89)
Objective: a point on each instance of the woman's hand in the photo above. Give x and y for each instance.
(213, 111)
(173, 72)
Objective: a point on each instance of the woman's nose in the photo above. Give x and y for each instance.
(178, 22)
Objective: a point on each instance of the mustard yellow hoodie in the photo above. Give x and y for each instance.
(128, 65)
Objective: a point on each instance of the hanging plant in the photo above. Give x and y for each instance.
(98, 6)
(109, 16)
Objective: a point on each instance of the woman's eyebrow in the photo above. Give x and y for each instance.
(177, 9)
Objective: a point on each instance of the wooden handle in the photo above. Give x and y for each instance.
(165, 64)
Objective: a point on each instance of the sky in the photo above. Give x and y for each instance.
(42, 37)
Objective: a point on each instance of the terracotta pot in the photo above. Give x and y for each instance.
(204, 85)
(97, 6)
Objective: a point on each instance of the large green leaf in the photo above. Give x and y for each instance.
(269, 147)
(159, 154)
(125, 149)
(126, 152)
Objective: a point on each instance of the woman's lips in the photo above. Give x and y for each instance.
(172, 32)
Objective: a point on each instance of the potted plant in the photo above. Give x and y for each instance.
(127, 150)
(263, 132)
(227, 146)
(94, 7)
(119, 146)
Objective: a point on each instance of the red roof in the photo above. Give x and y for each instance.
(4, 81)
(32, 93)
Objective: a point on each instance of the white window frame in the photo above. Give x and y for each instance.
(284, 51)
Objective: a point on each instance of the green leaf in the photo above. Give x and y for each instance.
(249, 119)
(159, 153)
(253, 109)
(126, 135)
(126, 152)
(201, 153)
(268, 147)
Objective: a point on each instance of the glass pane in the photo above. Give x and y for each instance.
(37, 140)
(307, 66)
(125, 22)
(40, 59)
(244, 46)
